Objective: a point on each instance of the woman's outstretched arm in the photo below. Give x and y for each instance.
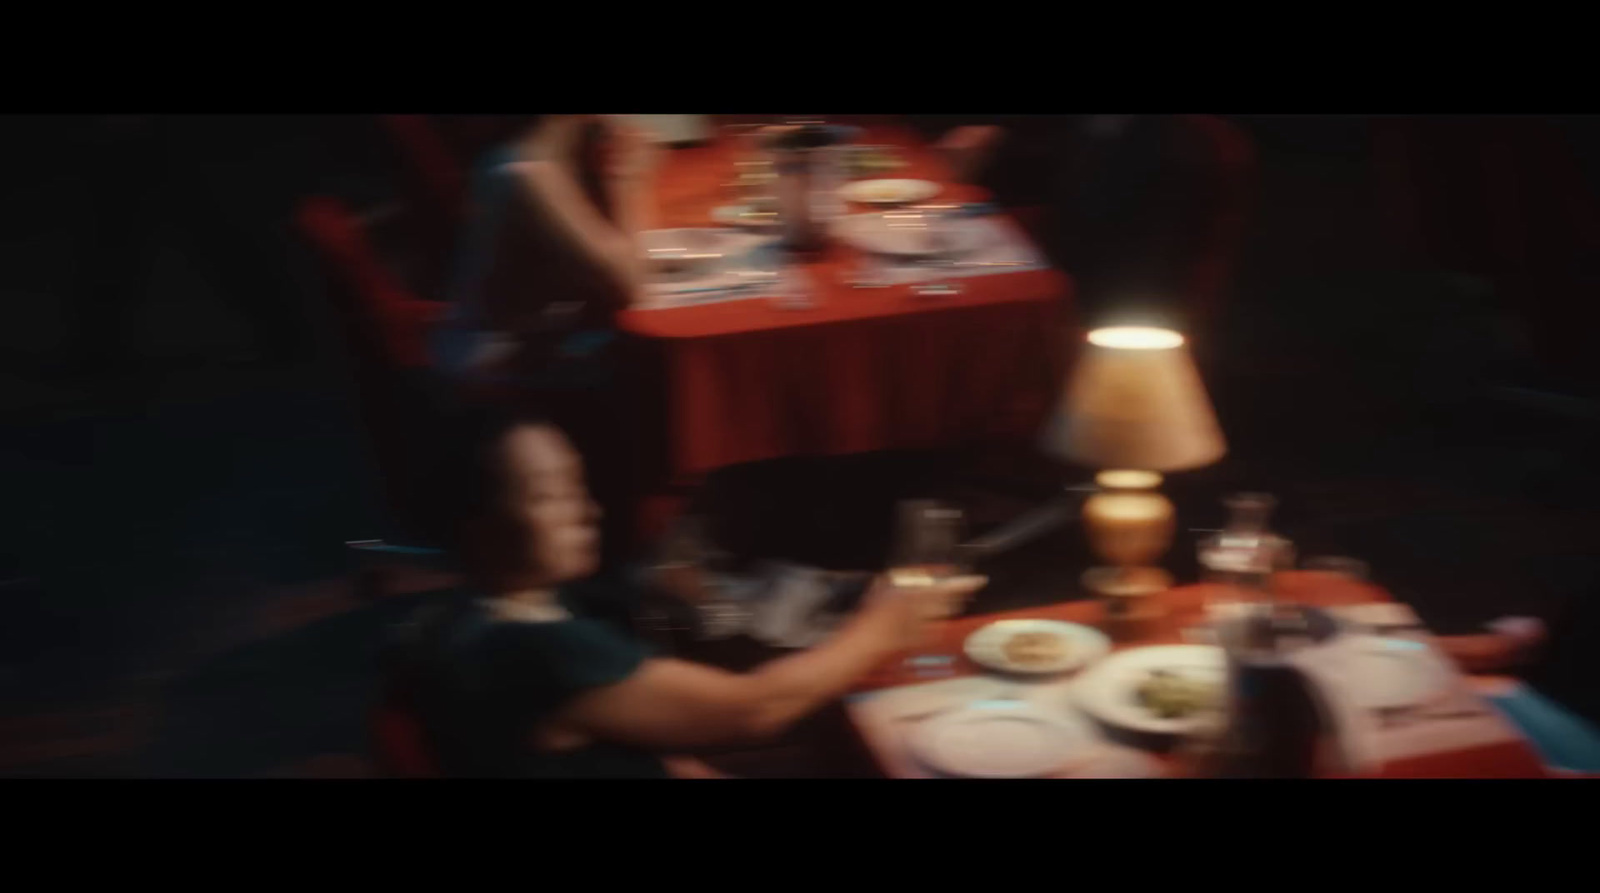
(677, 705)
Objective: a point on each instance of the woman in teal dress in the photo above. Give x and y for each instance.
(550, 249)
(533, 670)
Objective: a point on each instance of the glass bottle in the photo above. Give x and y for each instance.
(1244, 555)
(1274, 724)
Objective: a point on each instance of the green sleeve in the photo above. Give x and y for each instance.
(538, 667)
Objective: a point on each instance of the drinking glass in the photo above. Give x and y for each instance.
(753, 179)
(926, 552)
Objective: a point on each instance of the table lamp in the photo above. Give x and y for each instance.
(1133, 408)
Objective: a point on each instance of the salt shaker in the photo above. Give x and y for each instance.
(1245, 554)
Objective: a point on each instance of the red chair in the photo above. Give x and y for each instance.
(386, 326)
(399, 744)
(433, 181)
(385, 333)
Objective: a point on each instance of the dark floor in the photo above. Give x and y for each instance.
(176, 592)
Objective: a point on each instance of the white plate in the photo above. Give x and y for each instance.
(892, 233)
(889, 192)
(1108, 691)
(1001, 739)
(1392, 674)
(986, 646)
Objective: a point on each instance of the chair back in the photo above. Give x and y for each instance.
(385, 334)
(433, 189)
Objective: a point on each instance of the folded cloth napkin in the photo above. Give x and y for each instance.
(1354, 728)
(785, 605)
(1449, 715)
(793, 610)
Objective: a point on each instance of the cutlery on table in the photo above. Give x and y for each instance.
(1411, 715)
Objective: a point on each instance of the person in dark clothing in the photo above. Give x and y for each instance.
(533, 670)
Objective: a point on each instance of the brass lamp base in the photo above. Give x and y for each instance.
(1125, 592)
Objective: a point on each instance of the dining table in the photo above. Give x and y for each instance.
(1486, 747)
(856, 369)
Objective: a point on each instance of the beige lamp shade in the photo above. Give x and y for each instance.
(1135, 400)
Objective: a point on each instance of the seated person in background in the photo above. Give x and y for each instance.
(551, 241)
(534, 671)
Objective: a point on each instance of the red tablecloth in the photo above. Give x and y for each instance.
(867, 369)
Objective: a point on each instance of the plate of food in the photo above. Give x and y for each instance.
(1002, 739)
(1164, 689)
(1035, 647)
(889, 192)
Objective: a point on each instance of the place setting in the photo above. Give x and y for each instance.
(1020, 725)
(796, 184)
(928, 245)
(1018, 720)
(1402, 683)
(694, 266)
(1055, 700)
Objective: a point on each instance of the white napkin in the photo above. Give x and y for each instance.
(1452, 719)
(791, 611)
(1354, 728)
(719, 282)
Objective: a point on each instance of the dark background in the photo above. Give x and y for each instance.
(180, 461)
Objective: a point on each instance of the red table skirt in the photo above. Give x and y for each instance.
(987, 370)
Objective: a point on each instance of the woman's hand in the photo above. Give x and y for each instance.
(907, 610)
(676, 705)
